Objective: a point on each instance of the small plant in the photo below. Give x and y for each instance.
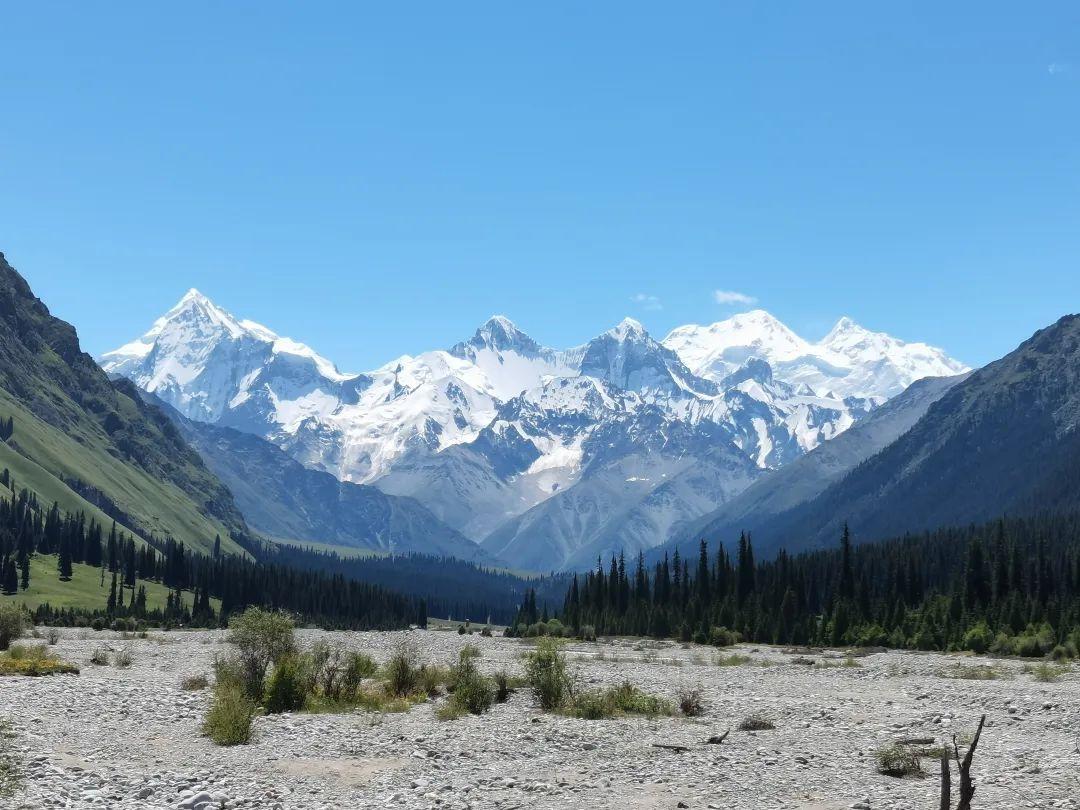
(194, 683)
(52, 636)
(691, 702)
(1045, 673)
(620, 700)
(288, 686)
(229, 720)
(733, 660)
(546, 673)
(100, 657)
(982, 672)
(402, 671)
(33, 661)
(122, 659)
(898, 760)
(10, 776)
(756, 722)
(261, 638)
(13, 623)
(851, 663)
(505, 685)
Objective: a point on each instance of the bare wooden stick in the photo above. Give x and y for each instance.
(679, 748)
(967, 786)
(946, 781)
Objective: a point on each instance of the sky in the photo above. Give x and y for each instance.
(378, 179)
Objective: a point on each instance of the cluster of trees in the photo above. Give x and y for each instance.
(1012, 585)
(7, 428)
(193, 579)
(454, 589)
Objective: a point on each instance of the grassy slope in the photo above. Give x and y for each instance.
(83, 591)
(160, 507)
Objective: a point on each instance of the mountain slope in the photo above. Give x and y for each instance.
(1005, 440)
(279, 496)
(810, 475)
(496, 425)
(99, 438)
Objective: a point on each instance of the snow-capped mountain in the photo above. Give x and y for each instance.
(850, 361)
(545, 455)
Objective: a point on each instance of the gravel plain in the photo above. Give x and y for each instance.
(129, 738)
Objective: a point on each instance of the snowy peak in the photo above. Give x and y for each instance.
(499, 334)
(850, 361)
(628, 358)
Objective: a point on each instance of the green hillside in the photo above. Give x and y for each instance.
(84, 440)
(84, 591)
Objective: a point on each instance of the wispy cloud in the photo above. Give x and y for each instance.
(727, 297)
(1055, 68)
(646, 301)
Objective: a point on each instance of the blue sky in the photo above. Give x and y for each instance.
(375, 179)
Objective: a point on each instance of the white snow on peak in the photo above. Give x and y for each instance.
(849, 361)
(627, 329)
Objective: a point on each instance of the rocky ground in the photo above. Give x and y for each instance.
(129, 738)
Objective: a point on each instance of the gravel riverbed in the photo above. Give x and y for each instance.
(129, 738)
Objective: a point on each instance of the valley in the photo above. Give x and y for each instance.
(129, 738)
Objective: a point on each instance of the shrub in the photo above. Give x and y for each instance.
(123, 659)
(474, 693)
(1060, 653)
(403, 670)
(432, 680)
(976, 673)
(288, 686)
(898, 760)
(100, 657)
(486, 632)
(13, 623)
(504, 686)
(358, 666)
(52, 636)
(1044, 673)
(10, 764)
(1028, 646)
(623, 699)
(588, 633)
(691, 702)
(733, 660)
(722, 637)
(546, 673)
(262, 638)
(193, 683)
(978, 639)
(98, 624)
(33, 661)
(756, 723)
(229, 720)
(1003, 645)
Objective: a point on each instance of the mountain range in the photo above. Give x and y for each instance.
(545, 458)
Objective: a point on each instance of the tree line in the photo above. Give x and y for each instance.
(193, 579)
(1012, 585)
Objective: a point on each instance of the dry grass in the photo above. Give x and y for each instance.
(33, 661)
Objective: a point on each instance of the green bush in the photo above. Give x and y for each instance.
(546, 673)
(474, 693)
(722, 637)
(979, 638)
(898, 760)
(1003, 645)
(288, 686)
(1028, 646)
(261, 638)
(123, 658)
(13, 623)
(691, 702)
(229, 720)
(1061, 653)
(100, 657)
(595, 704)
(402, 671)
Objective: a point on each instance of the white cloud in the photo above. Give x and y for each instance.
(646, 301)
(1055, 68)
(732, 297)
